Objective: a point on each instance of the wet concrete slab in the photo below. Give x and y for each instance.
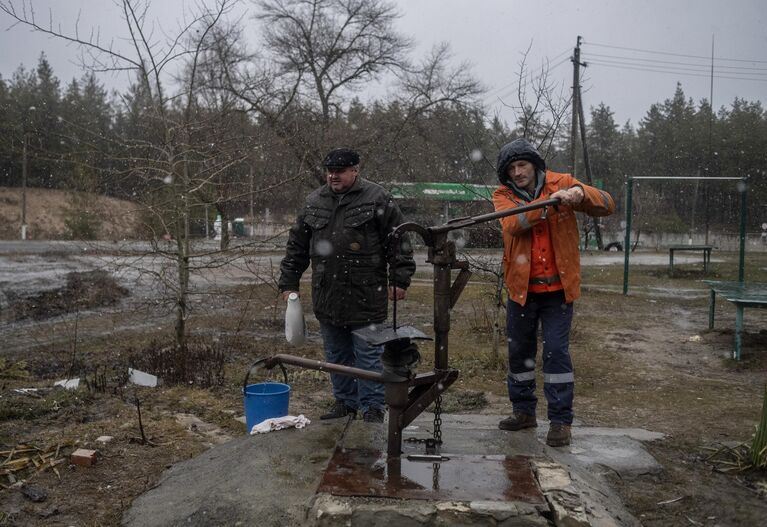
(365, 472)
(275, 478)
(620, 449)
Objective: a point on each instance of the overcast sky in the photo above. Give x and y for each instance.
(636, 50)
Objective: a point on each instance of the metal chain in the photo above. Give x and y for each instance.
(437, 434)
(435, 476)
(438, 420)
(437, 438)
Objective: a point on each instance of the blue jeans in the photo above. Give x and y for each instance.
(555, 317)
(342, 347)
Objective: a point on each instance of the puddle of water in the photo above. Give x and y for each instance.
(362, 472)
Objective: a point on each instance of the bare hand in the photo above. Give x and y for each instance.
(571, 196)
(401, 293)
(286, 294)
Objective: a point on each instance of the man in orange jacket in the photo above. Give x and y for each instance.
(541, 266)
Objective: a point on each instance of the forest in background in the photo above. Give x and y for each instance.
(235, 131)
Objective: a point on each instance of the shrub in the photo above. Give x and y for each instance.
(759, 443)
(80, 221)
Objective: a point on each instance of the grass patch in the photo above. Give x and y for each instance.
(454, 401)
(28, 407)
(758, 450)
(13, 370)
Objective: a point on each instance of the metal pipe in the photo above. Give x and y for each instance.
(312, 364)
(432, 458)
(460, 223)
(627, 238)
(742, 188)
(442, 257)
(396, 396)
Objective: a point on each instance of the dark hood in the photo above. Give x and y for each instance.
(521, 149)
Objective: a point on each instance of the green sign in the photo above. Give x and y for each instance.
(442, 191)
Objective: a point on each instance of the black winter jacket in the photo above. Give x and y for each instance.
(345, 236)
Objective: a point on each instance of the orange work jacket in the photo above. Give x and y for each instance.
(563, 230)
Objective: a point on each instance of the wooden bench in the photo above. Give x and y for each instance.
(742, 295)
(705, 249)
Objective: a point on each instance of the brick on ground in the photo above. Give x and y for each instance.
(83, 457)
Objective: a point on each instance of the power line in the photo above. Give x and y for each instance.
(514, 83)
(661, 67)
(566, 51)
(674, 54)
(656, 61)
(675, 72)
(527, 82)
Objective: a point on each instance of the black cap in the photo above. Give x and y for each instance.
(341, 157)
(519, 149)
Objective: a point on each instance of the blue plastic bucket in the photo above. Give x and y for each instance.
(265, 400)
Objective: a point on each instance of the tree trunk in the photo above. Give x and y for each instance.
(182, 258)
(224, 227)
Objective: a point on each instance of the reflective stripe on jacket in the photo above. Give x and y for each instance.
(563, 228)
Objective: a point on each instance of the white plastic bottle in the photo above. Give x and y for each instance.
(295, 326)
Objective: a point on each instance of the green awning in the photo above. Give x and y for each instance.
(442, 191)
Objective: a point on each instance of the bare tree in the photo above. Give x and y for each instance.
(433, 83)
(541, 107)
(329, 47)
(164, 157)
(316, 54)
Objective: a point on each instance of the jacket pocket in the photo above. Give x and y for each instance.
(317, 218)
(361, 231)
(359, 215)
(319, 293)
(369, 294)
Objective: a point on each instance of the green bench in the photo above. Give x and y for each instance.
(743, 295)
(705, 249)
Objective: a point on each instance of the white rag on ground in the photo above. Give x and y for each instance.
(278, 423)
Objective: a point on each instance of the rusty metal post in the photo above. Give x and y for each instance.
(442, 256)
(396, 396)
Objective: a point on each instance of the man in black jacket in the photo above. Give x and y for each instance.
(343, 232)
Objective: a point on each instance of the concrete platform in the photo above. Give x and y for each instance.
(272, 479)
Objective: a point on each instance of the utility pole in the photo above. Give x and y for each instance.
(24, 155)
(581, 121)
(24, 188)
(587, 165)
(576, 60)
(710, 134)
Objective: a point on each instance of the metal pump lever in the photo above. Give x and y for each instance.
(409, 398)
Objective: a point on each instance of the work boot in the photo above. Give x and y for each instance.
(373, 415)
(518, 421)
(559, 435)
(339, 410)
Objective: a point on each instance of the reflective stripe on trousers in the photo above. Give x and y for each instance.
(555, 317)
